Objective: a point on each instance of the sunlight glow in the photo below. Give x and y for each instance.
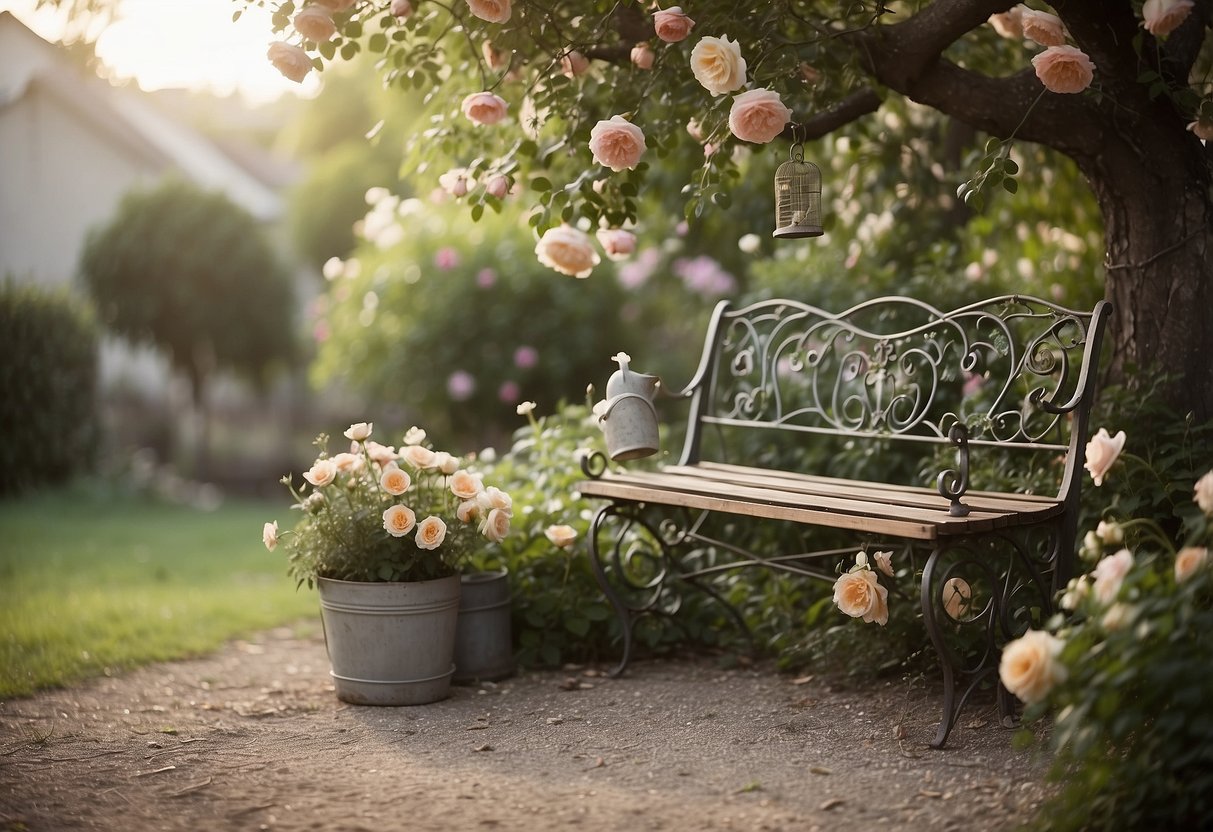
(183, 43)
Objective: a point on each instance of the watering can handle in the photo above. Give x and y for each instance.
(614, 400)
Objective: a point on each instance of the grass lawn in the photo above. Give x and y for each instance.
(94, 583)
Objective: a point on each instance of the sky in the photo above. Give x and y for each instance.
(181, 43)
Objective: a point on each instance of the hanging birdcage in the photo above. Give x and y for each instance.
(797, 197)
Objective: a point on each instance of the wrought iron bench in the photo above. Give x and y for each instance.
(1007, 383)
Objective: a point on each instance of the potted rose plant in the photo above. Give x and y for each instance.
(382, 536)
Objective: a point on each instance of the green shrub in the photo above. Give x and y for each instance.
(48, 381)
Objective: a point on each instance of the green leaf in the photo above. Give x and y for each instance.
(377, 42)
(477, 212)
(541, 183)
(1010, 185)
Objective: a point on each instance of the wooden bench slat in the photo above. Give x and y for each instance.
(830, 486)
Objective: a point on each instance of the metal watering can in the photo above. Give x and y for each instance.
(628, 417)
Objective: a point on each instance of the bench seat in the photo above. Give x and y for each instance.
(875, 508)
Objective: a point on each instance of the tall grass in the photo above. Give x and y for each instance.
(94, 583)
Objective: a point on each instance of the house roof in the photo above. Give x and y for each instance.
(129, 118)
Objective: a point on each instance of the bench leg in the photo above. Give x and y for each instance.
(621, 610)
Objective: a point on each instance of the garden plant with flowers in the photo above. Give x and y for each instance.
(378, 513)
(1125, 666)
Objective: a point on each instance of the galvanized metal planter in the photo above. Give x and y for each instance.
(483, 649)
(390, 643)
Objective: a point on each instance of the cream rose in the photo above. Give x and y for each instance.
(430, 533)
(1203, 493)
(1076, 591)
(617, 144)
(758, 116)
(494, 11)
(672, 25)
(394, 480)
(359, 431)
(957, 598)
(1162, 17)
(290, 60)
(1064, 69)
(561, 535)
(1110, 532)
(446, 463)
(383, 454)
(1029, 667)
(1042, 27)
(418, 456)
(269, 535)
(496, 525)
(859, 595)
(1117, 617)
(414, 436)
(717, 64)
(567, 250)
(468, 511)
(348, 463)
(617, 242)
(465, 485)
(484, 108)
(493, 498)
(399, 520)
(1102, 451)
(1109, 574)
(643, 56)
(1188, 561)
(315, 23)
(884, 562)
(322, 473)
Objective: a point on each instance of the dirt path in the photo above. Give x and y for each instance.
(253, 738)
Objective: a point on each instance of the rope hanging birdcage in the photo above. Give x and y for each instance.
(797, 196)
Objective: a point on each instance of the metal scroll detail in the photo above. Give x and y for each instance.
(954, 482)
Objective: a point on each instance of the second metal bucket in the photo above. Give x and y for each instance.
(483, 648)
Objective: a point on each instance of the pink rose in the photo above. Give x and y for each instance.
(1042, 27)
(484, 108)
(456, 181)
(672, 25)
(402, 8)
(315, 23)
(573, 63)
(617, 144)
(290, 60)
(617, 242)
(1102, 451)
(1109, 574)
(643, 55)
(1009, 24)
(1161, 17)
(498, 186)
(494, 11)
(758, 116)
(567, 250)
(695, 129)
(1064, 69)
(496, 58)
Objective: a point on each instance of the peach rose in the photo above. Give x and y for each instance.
(758, 116)
(1076, 591)
(269, 535)
(1064, 69)
(718, 65)
(418, 456)
(573, 63)
(498, 186)
(1188, 561)
(1029, 667)
(643, 55)
(617, 242)
(484, 108)
(465, 485)
(1203, 493)
(359, 431)
(567, 250)
(562, 535)
(290, 60)
(672, 25)
(1042, 27)
(1102, 451)
(1117, 617)
(1161, 17)
(859, 595)
(617, 144)
(1009, 24)
(315, 23)
(884, 562)
(494, 498)
(1109, 574)
(957, 597)
(430, 533)
(322, 472)
(402, 8)
(383, 454)
(494, 11)
(496, 525)
(394, 480)
(468, 511)
(399, 520)
(446, 463)
(348, 463)
(414, 436)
